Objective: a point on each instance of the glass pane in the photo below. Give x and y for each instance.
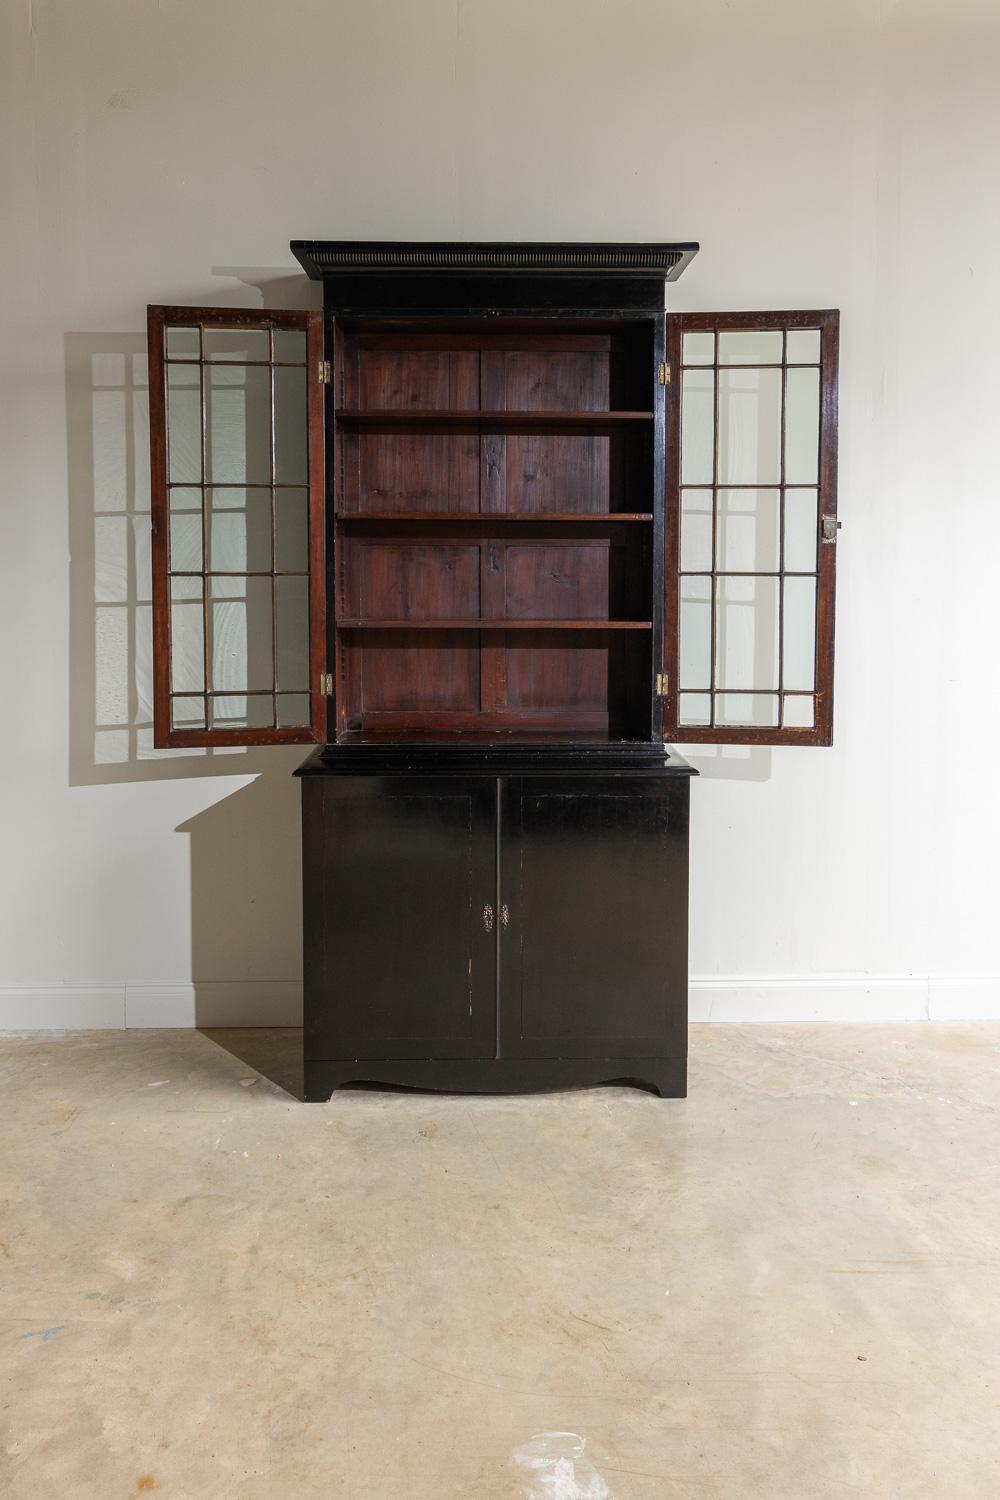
(756, 710)
(746, 640)
(293, 710)
(237, 343)
(699, 349)
(238, 439)
(240, 627)
(747, 525)
(291, 464)
(239, 530)
(187, 636)
(291, 530)
(696, 531)
(802, 426)
(750, 426)
(694, 708)
(799, 634)
(750, 346)
(801, 529)
(184, 424)
(185, 530)
(697, 426)
(802, 346)
(292, 602)
(798, 713)
(290, 346)
(242, 711)
(187, 713)
(183, 343)
(695, 633)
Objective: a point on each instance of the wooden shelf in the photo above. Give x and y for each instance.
(481, 624)
(598, 518)
(401, 420)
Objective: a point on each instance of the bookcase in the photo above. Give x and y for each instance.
(493, 517)
(491, 531)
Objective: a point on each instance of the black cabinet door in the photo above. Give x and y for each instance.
(593, 917)
(400, 934)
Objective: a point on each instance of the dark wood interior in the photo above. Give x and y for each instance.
(493, 525)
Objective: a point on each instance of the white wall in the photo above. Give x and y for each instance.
(824, 155)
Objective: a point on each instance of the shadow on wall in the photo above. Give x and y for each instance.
(730, 762)
(245, 870)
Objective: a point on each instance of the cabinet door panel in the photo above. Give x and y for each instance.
(751, 527)
(400, 889)
(593, 908)
(238, 526)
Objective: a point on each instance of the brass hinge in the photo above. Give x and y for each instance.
(323, 372)
(326, 684)
(662, 683)
(663, 373)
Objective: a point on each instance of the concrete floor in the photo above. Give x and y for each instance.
(785, 1287)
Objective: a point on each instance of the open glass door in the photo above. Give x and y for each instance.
(237, 491)
(751, 527)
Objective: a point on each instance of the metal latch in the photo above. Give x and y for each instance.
(830, 528)
(326, 684)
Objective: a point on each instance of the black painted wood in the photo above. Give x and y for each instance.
(496, 918)
(593, 916)
(399, 962)
(665, 1076)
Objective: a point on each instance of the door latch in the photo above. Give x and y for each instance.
(830, 528)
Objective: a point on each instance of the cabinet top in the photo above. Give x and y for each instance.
(561, 755)
(322, 258)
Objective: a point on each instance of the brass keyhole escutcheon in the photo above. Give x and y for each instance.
(504, 915)
(488, 917)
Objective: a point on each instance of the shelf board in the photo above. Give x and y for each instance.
(397, 419)
(599, 518)
(481, 624)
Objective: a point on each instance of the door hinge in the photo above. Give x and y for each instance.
(326, 684)
(830, 528)
(663, 373)
(323, 372)
(662, 684)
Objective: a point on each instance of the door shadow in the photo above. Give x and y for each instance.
(272, 1051)
(244, 848)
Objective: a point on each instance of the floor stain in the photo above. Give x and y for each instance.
(45, 1334)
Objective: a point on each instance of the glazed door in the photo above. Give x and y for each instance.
(593, 917)
(400, 934)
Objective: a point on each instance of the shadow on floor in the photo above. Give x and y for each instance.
(274, 1052)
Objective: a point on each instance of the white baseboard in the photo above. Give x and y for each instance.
(827, 998)
(215, 1002)
(136, 1006)
(862, 997)
(62, 1008)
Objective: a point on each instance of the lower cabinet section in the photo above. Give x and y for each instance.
(495, 932)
